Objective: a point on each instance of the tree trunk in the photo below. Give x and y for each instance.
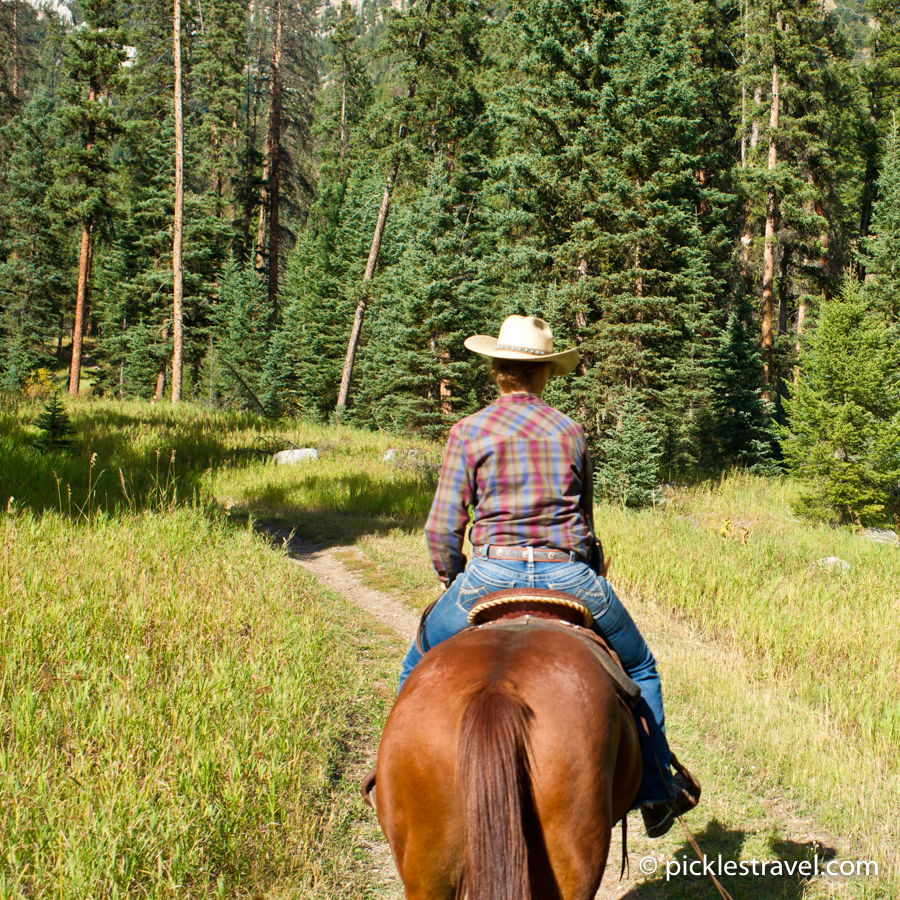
(355, 332)
(15, 37)
(268, 211)
(769, 249)
(754, 131)
(84, 275)
(161, 372)
(783, 264)
(177, 271)
(343, 149)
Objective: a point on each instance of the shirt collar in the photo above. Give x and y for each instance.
(508, 399)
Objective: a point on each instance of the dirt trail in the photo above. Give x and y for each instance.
(324, 563)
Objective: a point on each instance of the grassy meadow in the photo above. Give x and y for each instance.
(183, 711)
(180, 706)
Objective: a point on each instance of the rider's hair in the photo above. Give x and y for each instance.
(516, 375)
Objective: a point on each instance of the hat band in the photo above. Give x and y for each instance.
(522, 349)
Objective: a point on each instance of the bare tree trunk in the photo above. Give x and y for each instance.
(743, 125)
(161, 372)
(252, 104)
(268, 211)
(15, 36)
(746, 235)
(769, 248)
(353, 344)
(84, 275)
(754, 131)
(177, 271)
(343, 150)
(355, 332)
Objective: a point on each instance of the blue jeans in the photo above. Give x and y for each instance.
(611, 620)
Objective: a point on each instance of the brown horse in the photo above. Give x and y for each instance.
(504, 764)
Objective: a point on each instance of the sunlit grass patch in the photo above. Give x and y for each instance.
(175, 708)
(734, 560)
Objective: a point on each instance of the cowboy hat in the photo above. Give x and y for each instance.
(525, 338)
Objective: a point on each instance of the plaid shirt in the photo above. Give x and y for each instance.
(525, 468)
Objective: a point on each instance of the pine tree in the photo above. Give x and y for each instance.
(843, 434)
(794, 65)
(240, 337)
(600, 212)
(35, 253)
(882, 249)
(439, 43)
(55, 426)
(629, 469)
(89, 123)
(417, 374)
(739, 423)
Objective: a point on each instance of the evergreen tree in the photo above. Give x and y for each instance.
(739, 424)
(843, 434)
(630, 459)
(417, 374)
(89, 123)
(240, 337)
(439, 43)
(794, 65)
(882, 249)
(600, 211)
(54, 425)
(35, 252)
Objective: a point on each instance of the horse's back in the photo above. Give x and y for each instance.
(582, 760)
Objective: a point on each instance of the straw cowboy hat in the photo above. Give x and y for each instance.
(525, 338)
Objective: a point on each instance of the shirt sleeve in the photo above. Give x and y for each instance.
(445, 531)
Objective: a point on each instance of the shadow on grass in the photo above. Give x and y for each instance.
(347, 507)
(117, 461)
(789, 867)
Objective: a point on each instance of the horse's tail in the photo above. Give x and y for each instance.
(494, 780)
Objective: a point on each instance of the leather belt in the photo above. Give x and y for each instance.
(532, 554)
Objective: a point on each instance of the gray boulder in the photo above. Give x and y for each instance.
(298, 454)
(834, 563)
(881, 535)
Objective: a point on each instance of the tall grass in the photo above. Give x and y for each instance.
(174, 703)
(733, 559)
(177, 703)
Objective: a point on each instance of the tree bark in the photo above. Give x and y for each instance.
(178, 228)
(161, 372)
(268, 211)
(84, 275)
(769, 248)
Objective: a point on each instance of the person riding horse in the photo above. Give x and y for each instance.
(525, 471)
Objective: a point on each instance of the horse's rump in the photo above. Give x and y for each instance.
(510, 751)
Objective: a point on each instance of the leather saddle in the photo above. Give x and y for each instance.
(517, 608)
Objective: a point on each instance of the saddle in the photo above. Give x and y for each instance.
(518, 608)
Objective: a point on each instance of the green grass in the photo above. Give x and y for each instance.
(149, 643)
(183, 711)
(735, 561)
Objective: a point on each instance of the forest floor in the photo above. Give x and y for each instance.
(771, 827)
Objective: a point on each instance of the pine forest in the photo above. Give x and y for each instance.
(303, 211)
